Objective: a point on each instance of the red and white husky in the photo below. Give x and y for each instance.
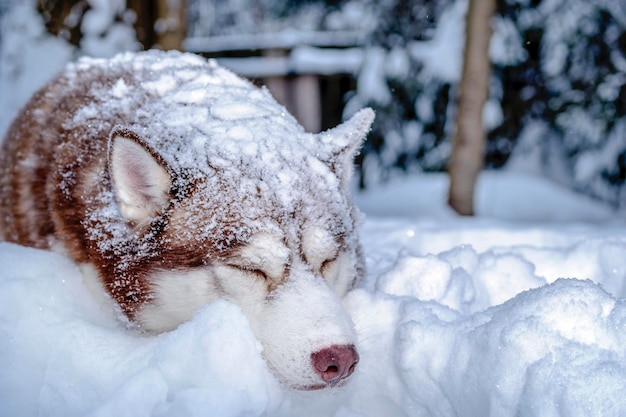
(173, 182)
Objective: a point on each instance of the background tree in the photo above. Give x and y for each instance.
(153, 23)
(469, 140)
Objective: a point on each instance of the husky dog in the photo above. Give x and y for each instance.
(173, 182)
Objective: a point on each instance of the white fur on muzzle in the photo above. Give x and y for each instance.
(308, 337)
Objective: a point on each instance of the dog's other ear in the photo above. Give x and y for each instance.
(340, 144)
(140, 179)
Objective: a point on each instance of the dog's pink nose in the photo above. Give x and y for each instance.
(335, 363)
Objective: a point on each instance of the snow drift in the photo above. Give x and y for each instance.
(473, 317)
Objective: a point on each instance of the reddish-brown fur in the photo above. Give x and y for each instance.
(37, 153)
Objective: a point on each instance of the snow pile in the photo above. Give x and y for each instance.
(505, 194)
(63, 356)
(456, 317)
(557, 350)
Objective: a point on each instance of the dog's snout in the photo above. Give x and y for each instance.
(335, 363)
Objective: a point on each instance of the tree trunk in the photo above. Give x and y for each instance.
(171, 23)
(469, 140)
(159, 23)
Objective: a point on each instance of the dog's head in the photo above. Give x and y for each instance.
(273, 232)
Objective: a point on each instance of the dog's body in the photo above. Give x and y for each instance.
(176, 183)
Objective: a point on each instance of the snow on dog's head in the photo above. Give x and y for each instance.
(212, 190)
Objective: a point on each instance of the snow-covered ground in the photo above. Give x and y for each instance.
(511, 313)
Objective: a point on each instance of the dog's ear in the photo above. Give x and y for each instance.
(340, 144)
(140, 179)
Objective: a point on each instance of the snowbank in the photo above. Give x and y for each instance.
(61, 355)
(457, 317)
(504, 194)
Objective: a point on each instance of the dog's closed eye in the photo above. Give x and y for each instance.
(260, 273)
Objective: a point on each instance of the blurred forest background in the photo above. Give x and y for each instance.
(556, 103)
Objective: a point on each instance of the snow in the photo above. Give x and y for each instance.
(443, 55)
(506, 45)
(61, 356)
(371, 81)
(103, 35)
(28, 58)
(510, 195)
(284, 39)
(504, 314)
(301, 60)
